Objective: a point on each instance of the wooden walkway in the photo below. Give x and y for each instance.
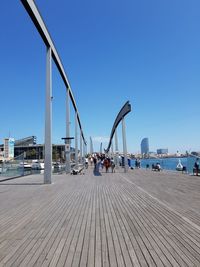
(141, 218)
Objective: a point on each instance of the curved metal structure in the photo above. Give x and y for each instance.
(123, 112)
(34, 14)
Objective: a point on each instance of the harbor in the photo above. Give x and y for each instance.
(138, 218)
(170, 164)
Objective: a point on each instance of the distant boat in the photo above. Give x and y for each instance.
(58, 165)
(36, 165)
(25, 165)
(179, 166)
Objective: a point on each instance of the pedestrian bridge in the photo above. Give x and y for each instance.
(139, 218)
(136, 218)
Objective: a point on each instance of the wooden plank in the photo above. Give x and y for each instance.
(178, 248)
(119, 228)
(69, 234)
(91, 249)
(47, 229)
(104, 238)
(76, 244)
(86, 241)
(98, 254)
(109, 220)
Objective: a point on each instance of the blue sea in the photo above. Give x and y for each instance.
(168, 163)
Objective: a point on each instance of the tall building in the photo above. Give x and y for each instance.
(9, 148)
(145, 146)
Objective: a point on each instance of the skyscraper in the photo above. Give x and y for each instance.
(145, 146)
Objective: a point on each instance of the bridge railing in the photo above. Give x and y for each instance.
(51, 53)
(13, 167)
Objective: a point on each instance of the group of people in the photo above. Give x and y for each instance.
(101, 160)
(108, 163)
(156, 167)
(137, 163)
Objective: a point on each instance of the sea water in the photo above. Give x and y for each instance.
(168, 163)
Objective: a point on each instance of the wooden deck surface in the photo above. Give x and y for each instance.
(141, 218)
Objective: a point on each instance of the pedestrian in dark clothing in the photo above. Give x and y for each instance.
(196, 166)
(95, 162)
(106, 164)
(112, 165)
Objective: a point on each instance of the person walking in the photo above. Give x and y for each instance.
(86, 163)
(112, 165)
(95, 162)
(106, 164)
(196, 166)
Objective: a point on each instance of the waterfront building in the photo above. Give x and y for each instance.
(30, 140)
(1, 154)
(145, 146)
(162, 151)
(32, 150)
(8, 148)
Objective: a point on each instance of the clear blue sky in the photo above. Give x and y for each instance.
(144, 51)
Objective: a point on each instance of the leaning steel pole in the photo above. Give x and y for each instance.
(116, 150)
(91, 146)
(112, 150)
(48, 119)
(68, 142)
(76, 140)
(101, 148)
(124, 145)
(81, 148)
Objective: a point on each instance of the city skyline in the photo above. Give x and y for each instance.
(144, 146)
(147, 53)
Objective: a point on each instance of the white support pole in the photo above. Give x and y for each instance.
(91, 146)
(124, 145)
(48, 119)
(81, 148)
(68, 142)
(84, 152)
(112, 152)
(116, 150)
(76, 140)
(101, 148)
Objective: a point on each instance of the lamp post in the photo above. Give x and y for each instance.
(67, 153)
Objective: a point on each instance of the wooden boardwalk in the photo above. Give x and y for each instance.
(141, 218)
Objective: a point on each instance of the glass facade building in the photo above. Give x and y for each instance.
(145, 146)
